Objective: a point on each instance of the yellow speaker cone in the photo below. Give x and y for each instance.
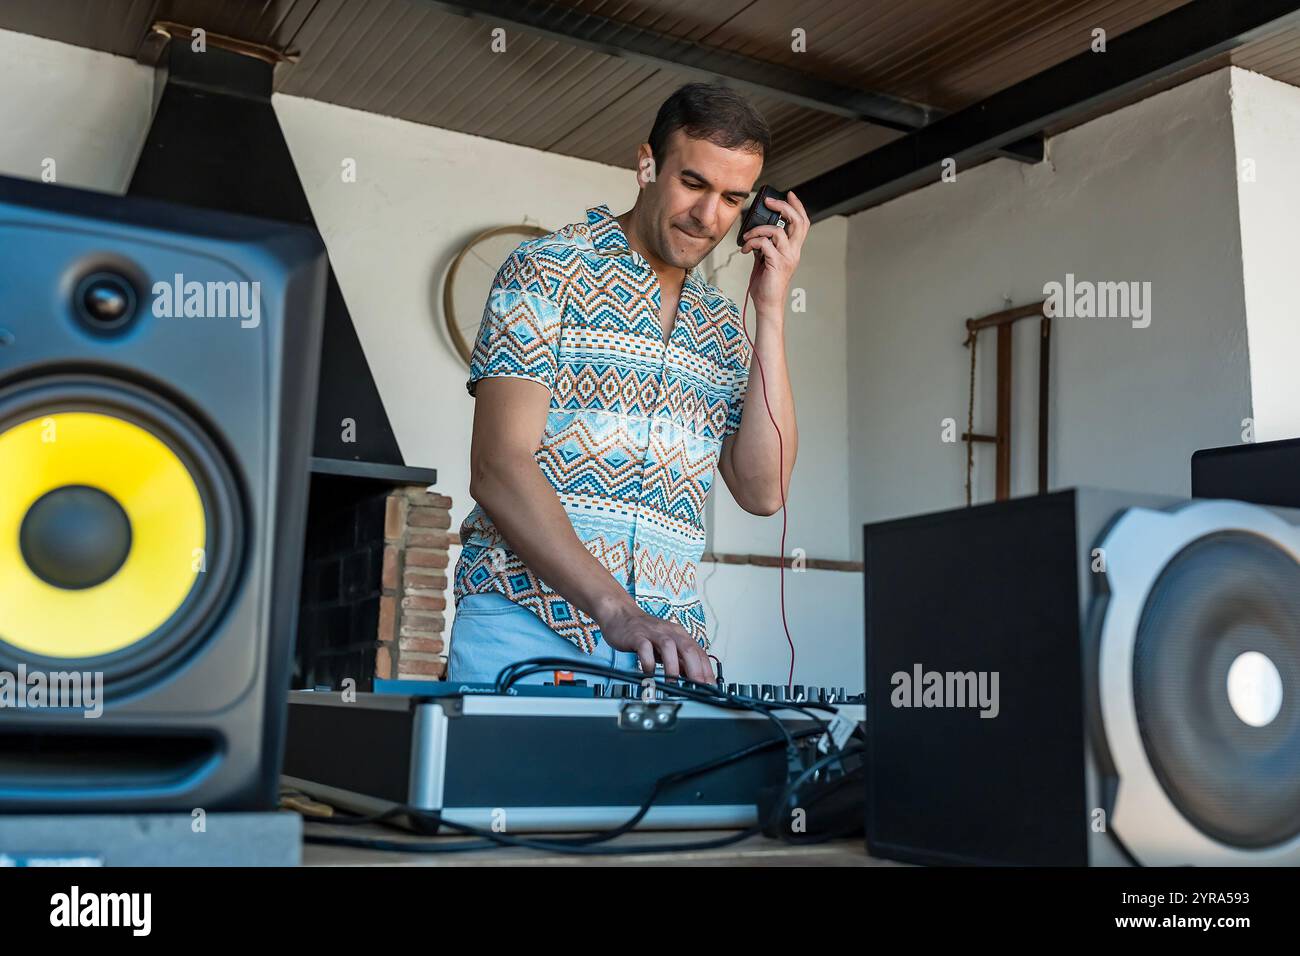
(102, 534)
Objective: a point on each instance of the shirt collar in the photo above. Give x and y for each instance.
(608, 238)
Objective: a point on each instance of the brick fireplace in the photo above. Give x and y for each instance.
(374, 586)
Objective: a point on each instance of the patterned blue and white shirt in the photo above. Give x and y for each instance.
(634, 427)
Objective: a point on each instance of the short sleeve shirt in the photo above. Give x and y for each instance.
(634, 427)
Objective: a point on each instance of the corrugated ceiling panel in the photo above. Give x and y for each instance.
(947, 53)
(405, 58)
(269, 22)
(112, 26)
(612, 135)
(1278, 57)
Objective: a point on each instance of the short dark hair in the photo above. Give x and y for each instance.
(716, 113)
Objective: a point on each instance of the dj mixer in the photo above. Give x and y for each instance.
(563, 757)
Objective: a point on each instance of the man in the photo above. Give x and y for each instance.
(610, 380)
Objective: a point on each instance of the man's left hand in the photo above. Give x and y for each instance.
(778, 249)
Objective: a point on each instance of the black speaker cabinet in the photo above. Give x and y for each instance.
(157, 385)
(1267, 473)
(1085, 678)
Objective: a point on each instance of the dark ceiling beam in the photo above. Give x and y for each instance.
(1031, 149)
(1160, 48)
(613, 38)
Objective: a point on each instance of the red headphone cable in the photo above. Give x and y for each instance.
(780, 444)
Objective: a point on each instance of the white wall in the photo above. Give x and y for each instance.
(421, 193)
(824, 609)
(1147, 193)
(815, 352)
(1266, 119)
(85, 110)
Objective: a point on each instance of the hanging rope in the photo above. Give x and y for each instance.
(971, 341)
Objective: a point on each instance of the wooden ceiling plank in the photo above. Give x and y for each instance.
(431, 44)
(1052, 49)
(1162, 47)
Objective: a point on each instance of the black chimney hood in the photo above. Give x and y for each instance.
(215, 142)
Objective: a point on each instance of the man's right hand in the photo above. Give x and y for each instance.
(631, 629)
(505, 479)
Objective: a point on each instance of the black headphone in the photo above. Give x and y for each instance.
(759, 215)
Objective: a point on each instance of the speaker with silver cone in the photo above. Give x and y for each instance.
(1085, 677)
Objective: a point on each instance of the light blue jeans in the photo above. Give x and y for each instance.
(491, 632)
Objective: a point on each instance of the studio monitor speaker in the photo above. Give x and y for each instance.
(1267, 473)
(1085, 678)
(157, 385)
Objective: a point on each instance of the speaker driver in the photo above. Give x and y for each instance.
(119, 528)
(1224, 743)
(1199, 683)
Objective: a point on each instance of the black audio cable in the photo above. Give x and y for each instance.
(706, 694)
(791, 792)
(703, 693)
(585, 844)
(491, 839)
(512, 673)
(718, 661)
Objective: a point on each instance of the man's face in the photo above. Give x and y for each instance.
(695, 197)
